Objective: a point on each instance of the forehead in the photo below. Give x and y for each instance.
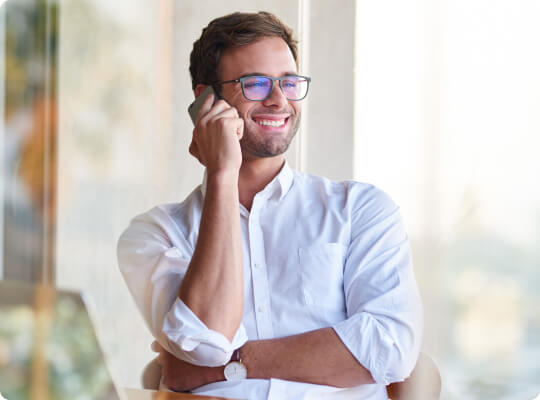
(269, 56)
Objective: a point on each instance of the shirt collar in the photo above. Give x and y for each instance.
(283, 180)
(279, 186)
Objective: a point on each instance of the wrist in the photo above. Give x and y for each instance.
(221, 176)
(219, 374)
(248, 359)
(222, 184)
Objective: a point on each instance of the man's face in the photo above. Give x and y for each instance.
(269, 125)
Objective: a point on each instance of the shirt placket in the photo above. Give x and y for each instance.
(259, 277)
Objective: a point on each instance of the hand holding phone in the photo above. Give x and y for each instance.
(217, 132)
(194, 107)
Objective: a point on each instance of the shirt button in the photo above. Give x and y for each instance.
(260, 309)
(257, 265)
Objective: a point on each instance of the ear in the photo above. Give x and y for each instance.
(199, 89)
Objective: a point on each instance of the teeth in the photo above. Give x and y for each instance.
(271, 123)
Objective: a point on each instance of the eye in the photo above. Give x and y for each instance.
(290, 82)
(253, 84)
(256, 83)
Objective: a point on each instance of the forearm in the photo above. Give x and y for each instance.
(317, 357)
(314, 357)
(213, 285)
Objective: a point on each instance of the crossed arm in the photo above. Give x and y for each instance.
(314, 357)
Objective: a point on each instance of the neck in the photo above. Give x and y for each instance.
(255, 175)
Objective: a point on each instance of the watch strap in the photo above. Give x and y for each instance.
(236, 356)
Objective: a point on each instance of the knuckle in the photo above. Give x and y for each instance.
(222, 122)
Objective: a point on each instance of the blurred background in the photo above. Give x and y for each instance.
(437, 102)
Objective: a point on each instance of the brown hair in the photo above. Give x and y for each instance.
(233, 30)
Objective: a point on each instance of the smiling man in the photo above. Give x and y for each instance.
(267, 283)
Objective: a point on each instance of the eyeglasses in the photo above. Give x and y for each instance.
(259, 88)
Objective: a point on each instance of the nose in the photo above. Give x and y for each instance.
(276, 99)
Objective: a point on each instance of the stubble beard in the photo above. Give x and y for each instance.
(270, 146)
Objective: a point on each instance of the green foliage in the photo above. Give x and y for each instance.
(31, 50)
(74, 363)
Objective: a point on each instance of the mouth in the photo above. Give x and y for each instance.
(271, 122)
(274, 123)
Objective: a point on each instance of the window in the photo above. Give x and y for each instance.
(445, 122)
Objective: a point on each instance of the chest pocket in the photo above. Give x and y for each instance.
(321, 269)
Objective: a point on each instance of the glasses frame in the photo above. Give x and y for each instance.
(244, 78)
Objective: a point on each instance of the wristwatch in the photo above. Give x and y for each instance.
(235, 370)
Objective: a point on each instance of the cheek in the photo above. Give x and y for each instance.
(244, 109)
(296, 106)
(233, 97)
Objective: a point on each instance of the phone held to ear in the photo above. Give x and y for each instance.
(194, 107)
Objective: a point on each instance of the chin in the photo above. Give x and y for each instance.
(265, 150)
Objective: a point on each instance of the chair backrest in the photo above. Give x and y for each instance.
(423, 384)
(151, 375)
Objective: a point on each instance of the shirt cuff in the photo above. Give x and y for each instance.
(189, 339)
(369, 344)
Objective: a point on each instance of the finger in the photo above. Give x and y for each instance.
(194, 150)
(211, 108)
(240, 128)
(206, 106)
(227, 112)
(220, 109)
(230, 126)
(162, 358)
(238, 121)
(156, 347)
(234, 124)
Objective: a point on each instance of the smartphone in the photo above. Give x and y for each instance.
(194, 107)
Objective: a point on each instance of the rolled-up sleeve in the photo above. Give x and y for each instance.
(383, 329)
(154, 258)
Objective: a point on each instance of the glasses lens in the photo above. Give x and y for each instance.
(294, 87)
(256, 87)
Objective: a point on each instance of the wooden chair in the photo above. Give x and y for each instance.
(151, 375)
(423, 384)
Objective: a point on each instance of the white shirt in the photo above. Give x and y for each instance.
(316, 254)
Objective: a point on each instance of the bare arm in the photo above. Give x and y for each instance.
(213, 285)
(315, 357)
(318, 357)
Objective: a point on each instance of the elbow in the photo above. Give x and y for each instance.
(189, 339)
(352, 377)
(401, 365)
(403, 354)
(201, 354)
(208, 356)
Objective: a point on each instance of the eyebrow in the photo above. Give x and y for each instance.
(263, 74)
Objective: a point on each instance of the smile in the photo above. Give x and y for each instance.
(273, 123)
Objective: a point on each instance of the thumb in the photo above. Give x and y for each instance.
(156, 346)
(240, 129)
(194, 151)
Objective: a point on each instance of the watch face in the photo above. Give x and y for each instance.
(235, 371)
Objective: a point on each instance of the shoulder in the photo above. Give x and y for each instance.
(168, 220)
(357, 196)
